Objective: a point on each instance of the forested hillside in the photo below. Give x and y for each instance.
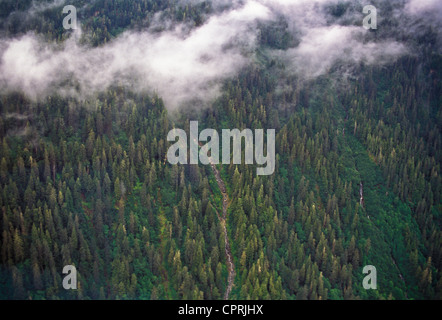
(85, 181)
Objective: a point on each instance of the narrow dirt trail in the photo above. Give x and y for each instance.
(223, 217)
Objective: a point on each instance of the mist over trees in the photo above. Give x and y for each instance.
(84, 178)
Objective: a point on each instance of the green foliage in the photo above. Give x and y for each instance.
(88, 183)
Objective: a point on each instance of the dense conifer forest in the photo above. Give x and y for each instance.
(85, 181)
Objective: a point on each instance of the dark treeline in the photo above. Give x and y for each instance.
(101, 20)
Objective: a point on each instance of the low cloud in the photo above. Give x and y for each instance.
(330, 33)
(179, 64)
(322, 47)
(419, 6)
(189, 65)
